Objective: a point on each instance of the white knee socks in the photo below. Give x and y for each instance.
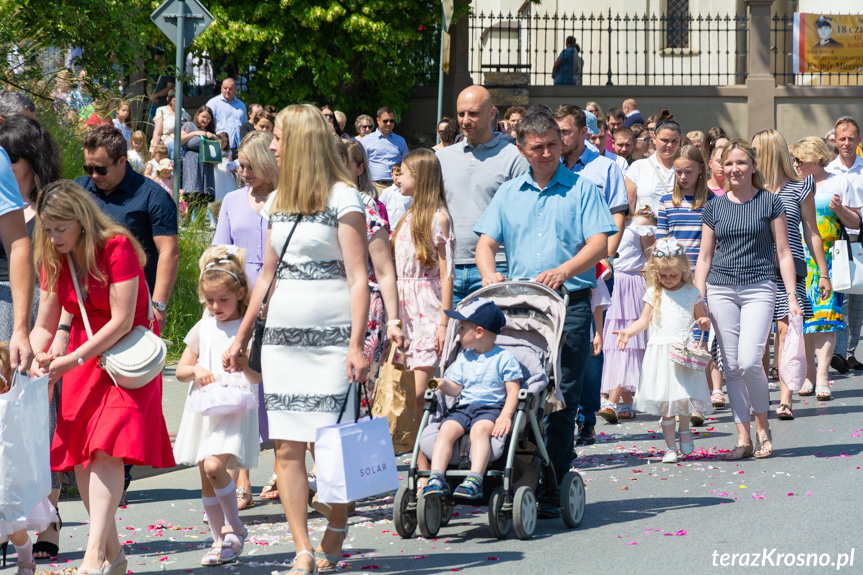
(215, 516)
(25, 552)
(228, 500)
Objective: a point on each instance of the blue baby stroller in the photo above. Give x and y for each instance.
(518, 462)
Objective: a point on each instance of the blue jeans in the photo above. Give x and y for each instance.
(467, 280)
(560, 425)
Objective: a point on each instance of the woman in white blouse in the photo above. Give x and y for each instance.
(164, 123)
(649, 179)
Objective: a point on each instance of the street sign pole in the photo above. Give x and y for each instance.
(178, 91)
(169, 14)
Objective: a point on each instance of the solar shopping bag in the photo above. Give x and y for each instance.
(25, 467)
(355, 460)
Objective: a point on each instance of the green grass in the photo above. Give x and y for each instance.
(185, 310)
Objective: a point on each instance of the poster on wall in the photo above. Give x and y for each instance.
(828, 43)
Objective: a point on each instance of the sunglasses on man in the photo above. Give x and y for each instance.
(101, 170)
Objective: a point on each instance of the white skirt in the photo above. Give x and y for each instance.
(39, 519)
(201, 436)
(667, 388)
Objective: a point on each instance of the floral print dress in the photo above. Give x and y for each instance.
(374, 342)
(419, 288)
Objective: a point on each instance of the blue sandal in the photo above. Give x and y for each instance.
(470, 488)
(435, 486)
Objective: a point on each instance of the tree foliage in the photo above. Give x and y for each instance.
(355, 54)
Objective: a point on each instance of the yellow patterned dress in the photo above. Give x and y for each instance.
(828, 311)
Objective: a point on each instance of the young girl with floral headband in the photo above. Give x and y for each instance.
(216, 443)
(672, 304)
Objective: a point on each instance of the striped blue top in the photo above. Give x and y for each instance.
(682, 222)
(744, 241)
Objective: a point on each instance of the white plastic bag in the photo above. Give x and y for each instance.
(792, 368)
(25, 464)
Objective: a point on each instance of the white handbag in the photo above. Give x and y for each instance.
(847, 272)
(138, 357)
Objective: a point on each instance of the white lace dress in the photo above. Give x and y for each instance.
(667, 388)
(201, 436)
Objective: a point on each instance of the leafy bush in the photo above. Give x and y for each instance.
(185, 310)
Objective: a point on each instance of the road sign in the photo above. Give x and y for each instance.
(195, 19)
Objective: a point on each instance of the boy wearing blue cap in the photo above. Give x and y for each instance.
(486, 378)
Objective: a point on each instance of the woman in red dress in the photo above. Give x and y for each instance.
(100, 426)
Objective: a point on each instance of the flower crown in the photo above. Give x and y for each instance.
(645, 210)
(667, 248)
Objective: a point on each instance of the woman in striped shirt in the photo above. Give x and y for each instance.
(680, 216)
(736, 271)
(798, 197)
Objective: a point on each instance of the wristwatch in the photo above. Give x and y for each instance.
(160, 306)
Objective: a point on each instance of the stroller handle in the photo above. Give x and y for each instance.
(564, 292)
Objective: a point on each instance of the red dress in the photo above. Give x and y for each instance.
(94, 413)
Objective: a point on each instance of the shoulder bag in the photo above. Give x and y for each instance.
(261, 321)
(138, 357)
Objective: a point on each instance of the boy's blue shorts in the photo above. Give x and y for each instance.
(468, 415)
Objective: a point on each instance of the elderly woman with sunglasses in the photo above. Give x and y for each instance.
(837, 206)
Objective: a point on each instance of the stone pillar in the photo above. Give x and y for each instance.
(459, 66)
(760, 83)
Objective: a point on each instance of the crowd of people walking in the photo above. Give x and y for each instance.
(351, 244)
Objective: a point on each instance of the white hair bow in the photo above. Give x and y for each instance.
(231, 249)
(667, 247)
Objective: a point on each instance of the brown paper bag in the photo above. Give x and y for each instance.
(395, 399)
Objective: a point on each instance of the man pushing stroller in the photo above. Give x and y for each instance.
(486, 378)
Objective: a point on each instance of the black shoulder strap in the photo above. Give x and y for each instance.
(278, 263)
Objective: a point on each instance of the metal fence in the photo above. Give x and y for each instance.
(782, 45)
(671, 49)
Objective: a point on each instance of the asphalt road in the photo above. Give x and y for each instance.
(641, 516)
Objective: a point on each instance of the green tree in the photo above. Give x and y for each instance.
(355, 54)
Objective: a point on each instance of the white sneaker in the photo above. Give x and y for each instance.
(670, 456)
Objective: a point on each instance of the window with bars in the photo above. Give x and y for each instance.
(677, 24)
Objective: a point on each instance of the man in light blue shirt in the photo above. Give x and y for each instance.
(17, 252)
(383, 148)
(554, 225)
(229, 113)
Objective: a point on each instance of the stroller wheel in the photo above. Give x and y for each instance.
(524, 512)
(572, 500)
(405, 521)
(447, 508)
(498, 522)
(429, 514)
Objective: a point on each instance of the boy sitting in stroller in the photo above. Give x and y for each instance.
(487, 379)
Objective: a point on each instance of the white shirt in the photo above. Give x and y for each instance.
(649, 187)
(837, 167)
(619, 160)
(395, 203)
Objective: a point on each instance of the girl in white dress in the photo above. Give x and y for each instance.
(671, 305)
(218, 442)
